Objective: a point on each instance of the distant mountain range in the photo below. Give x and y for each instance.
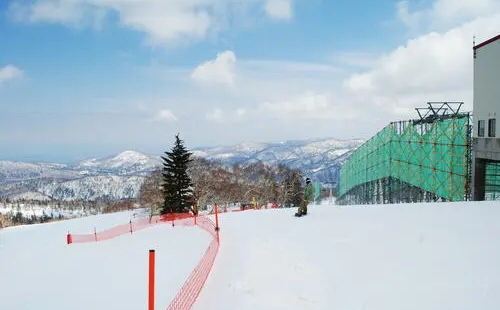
(121, 176)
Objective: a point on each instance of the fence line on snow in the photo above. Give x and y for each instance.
(192, 287)
(128, 228)
(188, 293)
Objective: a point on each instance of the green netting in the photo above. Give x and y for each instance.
(317, 191)
(432, 156)
(492, 181)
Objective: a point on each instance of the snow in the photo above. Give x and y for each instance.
(413, 256)
(94, 187)
(280, 152)
(11, 171)
(30, 196)
(224, 156)
(121, 175)
(418, 256)
(124, 163)
(319, 147)
(130, 158)
(118, 177)
(38, 270)
(52, 209)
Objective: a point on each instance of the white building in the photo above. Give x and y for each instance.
(486, 129)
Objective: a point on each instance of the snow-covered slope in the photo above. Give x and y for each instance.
(414, 256)
(39, 271)
(116, 177)
(11, 171)
(94, 187)
(125, 163)
(34, 196)
(383, 257)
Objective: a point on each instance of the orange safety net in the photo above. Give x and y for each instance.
(187, 295)
(175, 218)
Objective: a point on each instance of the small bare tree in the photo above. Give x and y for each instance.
(150, 194)
(215, 183)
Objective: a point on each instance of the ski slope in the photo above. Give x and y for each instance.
(39, 271)
(415, 256)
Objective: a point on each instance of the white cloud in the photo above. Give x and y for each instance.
(309, 105)
(163, 21)
(410, 19)
(220, 70)
(218, 115)
(279, 9)
(165, 116)
(434, 66)
(241, 112)
(443, 14)
(65, 12)
(9, 72)
(354, 59)
(267, 98)
(215, 115)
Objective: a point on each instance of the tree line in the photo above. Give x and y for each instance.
(187, 183)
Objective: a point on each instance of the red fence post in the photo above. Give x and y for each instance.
(217, 222)
(151, 296)
(69, 239)
(95, 234)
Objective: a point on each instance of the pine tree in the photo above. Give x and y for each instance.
(177, 186)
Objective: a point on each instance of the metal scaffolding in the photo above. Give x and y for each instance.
(492, 181)
(427, 159)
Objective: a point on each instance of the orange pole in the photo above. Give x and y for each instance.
(217, 222)
(69, 239)
(151, 297)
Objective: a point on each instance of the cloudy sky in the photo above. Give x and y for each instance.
(85, 78)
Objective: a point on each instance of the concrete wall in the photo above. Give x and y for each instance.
(487, 86)
(486, 106)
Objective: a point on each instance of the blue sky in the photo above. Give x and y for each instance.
(88, 78)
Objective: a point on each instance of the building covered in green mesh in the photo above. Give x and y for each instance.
(428, 159)
(438, 156)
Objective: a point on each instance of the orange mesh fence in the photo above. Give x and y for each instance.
(207, 224)
(177, 218)
(190, 290)
(187, 295)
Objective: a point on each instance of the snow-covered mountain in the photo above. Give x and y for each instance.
(112, 178)
(125, 163)
(11, 171)
(319, 159)
(94, 187)
(121, 176)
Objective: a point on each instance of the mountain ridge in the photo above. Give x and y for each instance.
(120, 176)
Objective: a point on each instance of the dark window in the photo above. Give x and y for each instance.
(480, 128)
(492, 124)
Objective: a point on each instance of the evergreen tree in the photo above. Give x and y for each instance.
(177, 186)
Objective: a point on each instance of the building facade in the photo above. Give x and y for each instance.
(486, 115)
